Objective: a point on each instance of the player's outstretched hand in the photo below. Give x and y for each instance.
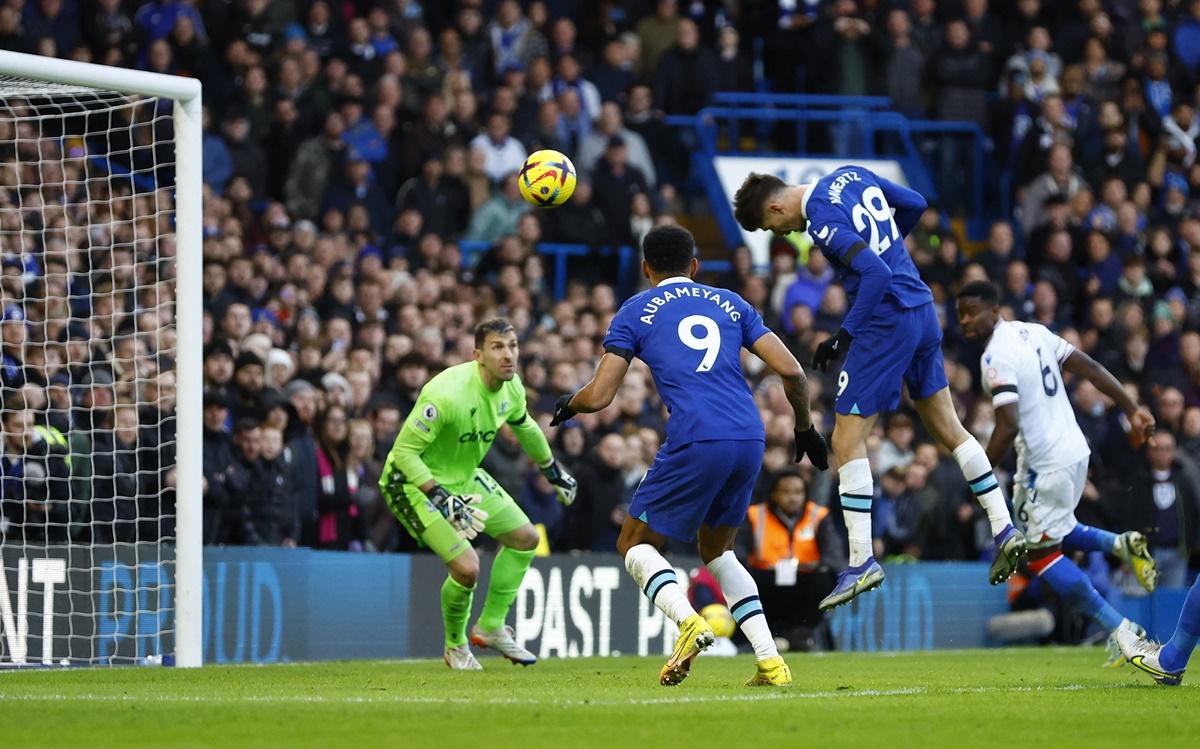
(565, 485)
(462, 510)
(810, 442)
(831, 349)
(562, 410)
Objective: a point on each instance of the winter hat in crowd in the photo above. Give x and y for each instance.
(333, 380)
(247, 359)
(295, 387)
(258, 343)
(276, 358)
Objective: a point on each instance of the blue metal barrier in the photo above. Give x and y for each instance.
(802, 100)
(559, 254)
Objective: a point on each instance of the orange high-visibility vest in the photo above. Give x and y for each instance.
(772, 542)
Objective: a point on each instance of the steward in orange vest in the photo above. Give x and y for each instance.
(785, 540)
(779, 537)
(788, 526)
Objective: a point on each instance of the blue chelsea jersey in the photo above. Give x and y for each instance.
(691, 336)
(853, 210)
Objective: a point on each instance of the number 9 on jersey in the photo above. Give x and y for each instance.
(709, 343)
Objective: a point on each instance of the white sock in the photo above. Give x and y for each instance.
(857, 491)
(656, 577)
(742, 596)
(978, 472)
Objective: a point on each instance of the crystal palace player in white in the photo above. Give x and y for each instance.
(1022, 370)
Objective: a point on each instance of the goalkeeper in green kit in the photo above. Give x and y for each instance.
(433, 483)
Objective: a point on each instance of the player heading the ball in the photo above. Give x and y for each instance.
(890, 337)
(691, 336)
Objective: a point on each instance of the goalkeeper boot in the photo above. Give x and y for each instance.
(1143, 655)
(503, 642)
(852, 581)
(1010, 547)
(772, 672)
(461, 659)
(1133, 549)
(695, 636)
(1113, 647)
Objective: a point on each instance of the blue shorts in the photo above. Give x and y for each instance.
(698, 483)
(898, 346)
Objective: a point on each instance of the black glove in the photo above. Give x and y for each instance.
(562, 411)
(810, 442)
(832, 349)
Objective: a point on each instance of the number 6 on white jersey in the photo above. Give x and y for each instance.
(710, 343)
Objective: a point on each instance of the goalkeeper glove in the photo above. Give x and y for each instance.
(461, 510)
(811, 442)
(565, 485)
(562, 410)
(832, 349)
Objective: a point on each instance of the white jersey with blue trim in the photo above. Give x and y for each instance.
(1022, 364)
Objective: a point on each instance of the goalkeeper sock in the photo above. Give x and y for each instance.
(978, 472)
(1086, 538)
(1069, 582)
(456, 609)
(741, 593)
(656, 577)
(857, 490)
(507, 573)
(1178, 650)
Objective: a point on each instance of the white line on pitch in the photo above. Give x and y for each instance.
(666, 700)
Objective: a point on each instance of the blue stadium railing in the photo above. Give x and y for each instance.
(871, 130)
(560, 254)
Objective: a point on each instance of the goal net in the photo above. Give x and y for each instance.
(98, 222)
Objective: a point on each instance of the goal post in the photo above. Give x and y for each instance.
(44, 88)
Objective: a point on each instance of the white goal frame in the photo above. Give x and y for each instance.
(186, 95)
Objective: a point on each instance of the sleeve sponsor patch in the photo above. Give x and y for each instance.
(420, 426)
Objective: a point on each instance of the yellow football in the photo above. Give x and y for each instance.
(547, 178)
(719, 619)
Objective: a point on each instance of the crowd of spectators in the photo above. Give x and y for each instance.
(351, 148)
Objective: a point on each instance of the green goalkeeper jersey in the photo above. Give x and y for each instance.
(455, 421)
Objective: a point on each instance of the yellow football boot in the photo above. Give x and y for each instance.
(695, 636)
(772, 672)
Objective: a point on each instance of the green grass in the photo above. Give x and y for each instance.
(962, 699)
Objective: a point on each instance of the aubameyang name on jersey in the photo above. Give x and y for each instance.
(657, 301)
(839, 184)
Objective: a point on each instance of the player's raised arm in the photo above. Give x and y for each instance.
(795, 385)
(598, 393)
(1140, 419)
(533, 442)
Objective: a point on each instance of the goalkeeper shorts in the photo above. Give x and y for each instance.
(426, 524)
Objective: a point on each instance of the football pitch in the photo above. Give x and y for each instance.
(1052, 697)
